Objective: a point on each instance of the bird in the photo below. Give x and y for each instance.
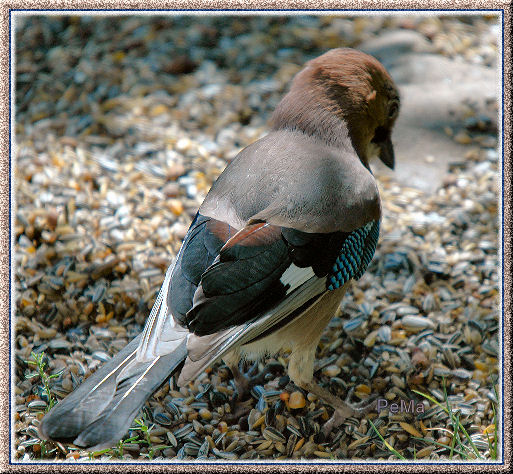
(263, 268)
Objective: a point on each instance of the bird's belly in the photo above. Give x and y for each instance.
(301, 336)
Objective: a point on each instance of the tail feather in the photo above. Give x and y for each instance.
(99, 412)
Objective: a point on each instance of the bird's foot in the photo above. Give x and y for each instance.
(345, 411)
(343, 408)
(239, 410)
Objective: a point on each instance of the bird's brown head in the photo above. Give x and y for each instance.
(343, 94)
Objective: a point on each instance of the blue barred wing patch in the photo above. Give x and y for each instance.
(355, 255)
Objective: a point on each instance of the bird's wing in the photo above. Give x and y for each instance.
(328, 261)
(261, 276)
(223, 277)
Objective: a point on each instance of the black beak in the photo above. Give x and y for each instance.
(386, 152)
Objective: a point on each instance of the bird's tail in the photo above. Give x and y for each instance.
(99, 412)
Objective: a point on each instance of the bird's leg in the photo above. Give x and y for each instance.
(245, 381)
(343, 409)
(242, 385)
(241, 380)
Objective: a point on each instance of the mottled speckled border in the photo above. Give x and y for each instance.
(6, 212)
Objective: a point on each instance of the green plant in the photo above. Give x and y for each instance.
(38, 360)
(118, 450)
(386, 444)
(114, 452)
(147, 438)
(457, 427)
(494, 440)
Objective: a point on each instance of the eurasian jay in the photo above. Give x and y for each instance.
(267, 259)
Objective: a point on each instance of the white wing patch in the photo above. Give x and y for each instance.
(295, 276)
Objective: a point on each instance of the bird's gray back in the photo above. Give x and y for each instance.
(294, 180)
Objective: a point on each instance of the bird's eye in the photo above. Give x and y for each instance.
(393, 110)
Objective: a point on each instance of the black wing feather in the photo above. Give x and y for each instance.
(225, 277)
(243, 281)
(318, 251)
(200, 247)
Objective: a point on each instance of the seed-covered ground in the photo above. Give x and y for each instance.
(122, 124)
